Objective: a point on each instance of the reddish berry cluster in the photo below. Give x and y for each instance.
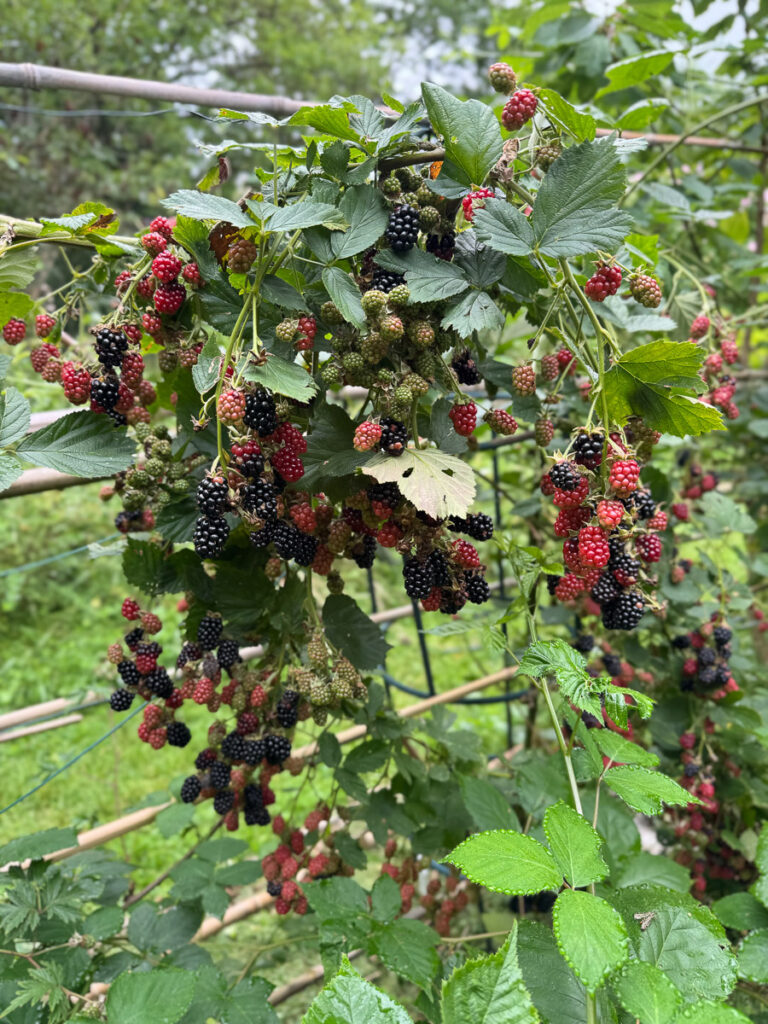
(463, 415)
(474, 201)
(519, 108)
(604, 282)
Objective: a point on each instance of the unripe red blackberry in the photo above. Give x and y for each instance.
(519, 108)
(544, 430)
(730, 350)
(287, 463)
(465, 554)
(241, 256)
(569, 587)
(524, 379)
(475, 201)
(367, 436)
(122, 281)
(231, 406)
(145, 289)
(604, 282)
(152, 324)
(191, 274)
(610, 513)
(571, 499)
(550, 367)
(163, 227)
(166, 267)
(645, 289)
(169, 298)
(464, 418)
(648, 546)
(14, 331)
(39, 356)
(501, 422)
(44, 324)
(423, 333)
(76, 381)
(154, 243)
(593, 547)
(546, 155)
(624, 476)
(502, 78)
(699, 327)
(391, 328)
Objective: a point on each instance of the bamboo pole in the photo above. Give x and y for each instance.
(32, 730)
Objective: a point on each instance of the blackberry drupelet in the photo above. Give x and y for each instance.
(451, 601)
(159, 682)
(287, 710)
(417, 577)
(437, 564)
(605, 590)
(681, 642)
(219, 774)
(204, 760)
(252, 463)
(441, 246)
(402, 229)
(224, 801)
(565, 476)
(262, 538)
(210, 536)
(477, 589)
(706, 656)
(105, 392)
(110, 346)
(276, 749)
(478, 526)
(394, 436)
(722, 675)
(212, 496)
(707, 677)
(552, 582)
(386, 280)
(643, 503)
(626, 566)
(274, 888)
(625, 612)
(233, 746)
(253, 752)
(584, 643)
(588, 450)
(189, 652)
(465, 368)
(386, 494)
(721, 635)
(253, 796)
(190, 789)
(178, 734)
(129, 673)
(260, 414)
(616, 546)
(306, 549)
(363, 554)
(209, 632)
(286, 540)
(256, 816)
(133, 638)
(228, 654)
(612, 663)
(121, 700)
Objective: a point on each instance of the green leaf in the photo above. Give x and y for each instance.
(15, 416)
(14, 304)
(336, 897)
(36, 846)
(357, 637)
(575, 845)
(18, 267)
(365, 210)
(329, 749)
(368, 756)
(488, 807)
(327, 119)
(345, 294)
(710, 1013)
(691, 957)
(162, 996)
(555, 657)
(760, 888)
(385, 899)
(205, 372)
(151, 928)
(470, 131)
(429, 279)
(722, 514)
(176, 520)
(282, 293)
(556, 993)
(578, 124)
(475, 311)
(591, 936)
(204, 206)
(407, 948)
(296, 216)
(434, 482)
(103, 923)
(348, 999)
(740, 910)
(646, 791)
(81, 443)
(753, 957)
(623, 751)
(670, 363)
(221, 849)
(652, 869)
(635, 70)
(575, 212)
(283, 378)
(504, 228)
(69, 224)
(489, 990)
(174, 819)
(508, 862)
(646, 993)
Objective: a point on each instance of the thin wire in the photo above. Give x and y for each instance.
(75, 759)
(55, 558)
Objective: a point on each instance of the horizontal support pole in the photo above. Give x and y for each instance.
(32, 730)
(35, 481)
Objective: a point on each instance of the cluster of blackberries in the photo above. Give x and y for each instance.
(442, 246)
(394, 436)
(386, 280)
(260, 414)
(441, 583)
(705, 670)
(402, 229)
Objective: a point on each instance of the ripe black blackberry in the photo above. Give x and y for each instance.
(262, 538)
(219, 774)
(691, 769)
(233, 746)
(256, 816)
(465, 368)
(189, 652)
(260, 413)
(251, 464)
(707, 677)
(274, 888)
(210, 536)
(387, 494)
(477, 589)
(625, 612)
(363, 553)
(276, 749)
(178, 734)
(612, 663)
(260, 498)
(212, 496)
(134, 638)
(386, 280)
(159, 682)
(105, 392)
(681, 642)
(253, 796)
(306, 549)
(209, 631)
(190, 789)
(437, 564)
(287, 710)
(121, 700)
(616, 547)
(452, 601)
(605, 590)
(584, 643)
(118, 418)
(722, 674)
(253, 752)
(706, 656)
(205, 759)
(588, 450)
(286, 540)
(626, 566)
(552, 582)
(129, 673)
(565, 476)
(228, 654)
(394, 436)
(402, 229)
(417, 579)
(478, 526)
(721, 635)
(442, 246)
(643, 504)
(110, 346)
(127, 521)
(224, 801)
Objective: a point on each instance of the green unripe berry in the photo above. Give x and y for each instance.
(391, 187)
(286, 330)
(400, 295)
(329, 312)
(410, 199)
(429, 218)
(177, 471)
(422, 333)
(162, 450)
(133, 500)
(374, 302)
(179, 486)
(416, 383)
(139, 478)
(142, 430)
(154, 467)
(391, 328)
(385, 376)
(424, 194)
(353, 361)
(403, 395)
(331, 374)
(334, 583)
